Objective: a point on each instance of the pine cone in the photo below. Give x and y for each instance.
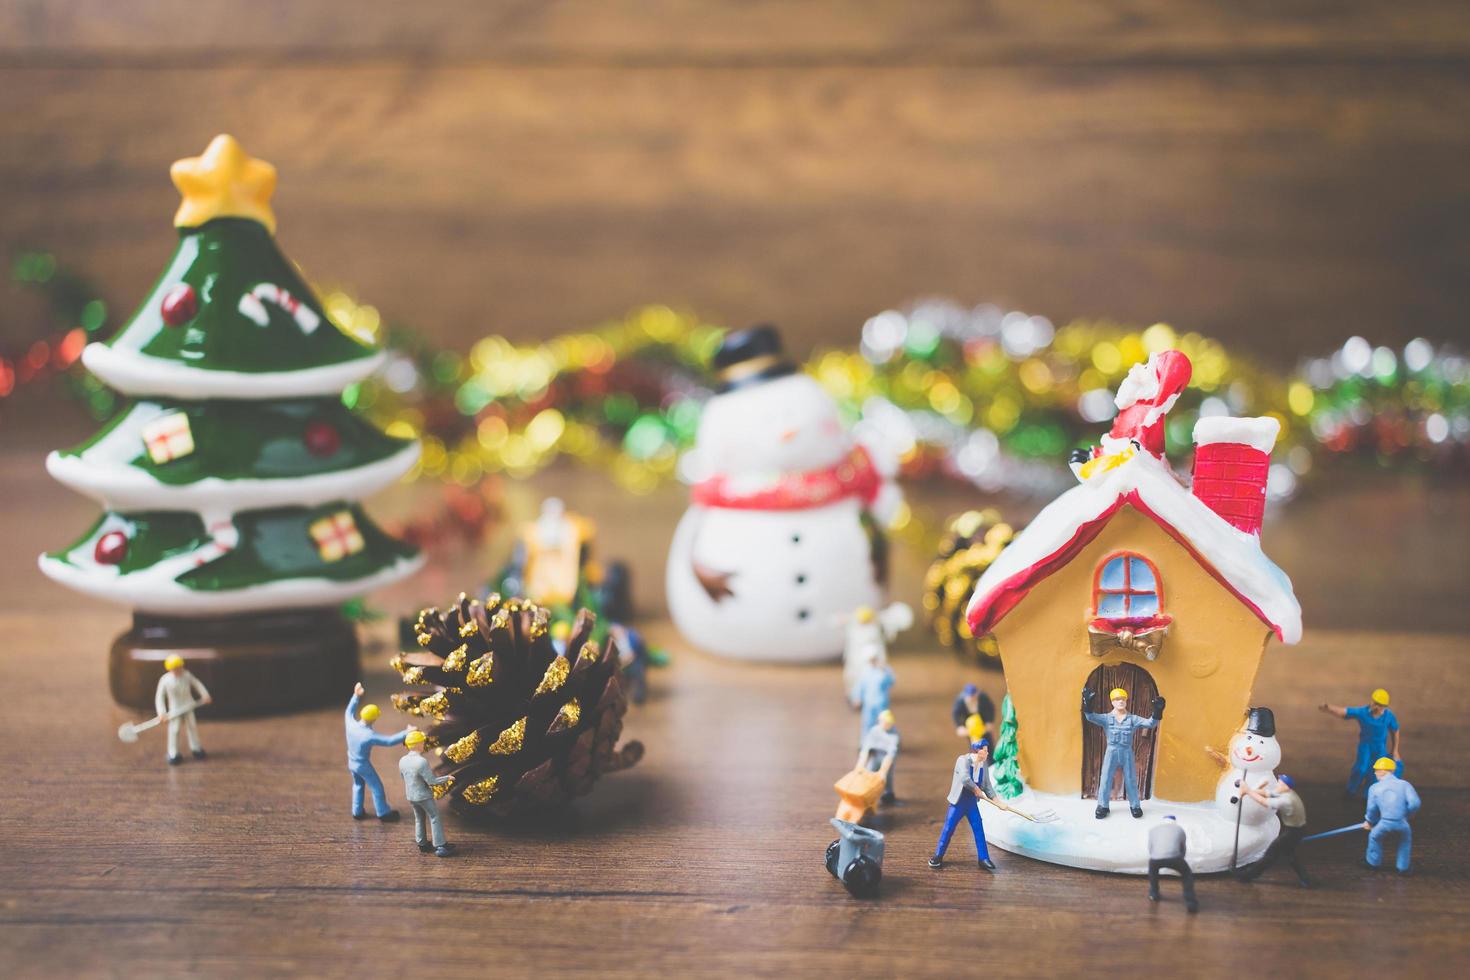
(970, 543)
(519, 727)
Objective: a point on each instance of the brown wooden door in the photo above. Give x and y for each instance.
(1141, 692)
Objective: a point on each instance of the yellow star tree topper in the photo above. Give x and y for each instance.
(224, 182)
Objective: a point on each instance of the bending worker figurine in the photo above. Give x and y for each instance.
(1377, 727)
(1391, 802)
(879, 752)
(1118, 725)
(971, 781)
(1293, 815)
(418, 785)
(1166, 844)
(179, 693)
(360, 741)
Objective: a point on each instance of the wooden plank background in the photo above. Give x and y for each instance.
(1281, 175)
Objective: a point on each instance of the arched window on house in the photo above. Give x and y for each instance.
(1127, 586)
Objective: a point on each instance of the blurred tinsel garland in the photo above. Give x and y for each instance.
(990, 397)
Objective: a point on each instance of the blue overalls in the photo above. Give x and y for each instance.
(1119, 754)
(968, 808)
(1391, 802)
(871, 694)
(360, 741)
(1372, 744)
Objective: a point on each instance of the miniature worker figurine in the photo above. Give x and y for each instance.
(1119, 727)
(418, 785)
(179, 694)
(869, 630)
(1166, 850)
(972, 702)
(360, 741)
(879, 751)
(870, 693)
(971, 781)
(1377, 728)
(1292, 812)
(1391, 802)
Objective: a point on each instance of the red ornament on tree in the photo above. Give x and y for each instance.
(321, 438)
(111, 548)
(179, 305)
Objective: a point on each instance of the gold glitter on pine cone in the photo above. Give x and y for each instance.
(522, 728)
(970, 543)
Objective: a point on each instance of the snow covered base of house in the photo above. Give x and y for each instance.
(1120, 843)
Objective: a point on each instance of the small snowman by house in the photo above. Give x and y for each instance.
(782, 542)
(1133, 580)
(1251, 758)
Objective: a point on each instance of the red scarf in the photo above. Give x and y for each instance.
(854, 476)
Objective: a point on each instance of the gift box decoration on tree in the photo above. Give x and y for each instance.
(229, 483)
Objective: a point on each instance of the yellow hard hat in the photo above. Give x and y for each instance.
(864, 614)
(1386, 763)
(1380, 696)
(1117, 693)
(173, 662)
(561, 629)
(414, 738)
(885, 716)
(369, 712)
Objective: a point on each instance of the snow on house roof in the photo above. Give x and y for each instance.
(1066, 525)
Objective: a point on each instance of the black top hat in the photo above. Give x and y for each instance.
(1260, 721)
(750, 356)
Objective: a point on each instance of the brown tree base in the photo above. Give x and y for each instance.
(261, 663)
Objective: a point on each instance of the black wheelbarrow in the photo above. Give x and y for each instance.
(856, 858)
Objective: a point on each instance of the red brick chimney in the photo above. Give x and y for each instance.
(1231, 459)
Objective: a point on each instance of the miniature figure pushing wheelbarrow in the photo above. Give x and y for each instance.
(856, 858)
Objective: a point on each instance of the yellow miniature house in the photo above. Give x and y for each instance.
(1131, 580)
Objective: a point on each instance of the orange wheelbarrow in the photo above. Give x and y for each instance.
(858, 793)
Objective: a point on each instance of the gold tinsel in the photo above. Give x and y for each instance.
(971, 541)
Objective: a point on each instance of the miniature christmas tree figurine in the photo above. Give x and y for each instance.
(1005, 766)
(229, 484)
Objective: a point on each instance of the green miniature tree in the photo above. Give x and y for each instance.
(1006, 764)
(230, 482)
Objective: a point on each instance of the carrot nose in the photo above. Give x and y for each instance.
(789, 434)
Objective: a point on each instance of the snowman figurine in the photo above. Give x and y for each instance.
(782, 540)
(1253, 756)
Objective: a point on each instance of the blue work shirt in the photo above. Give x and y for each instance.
(1391, 799)
(1373, 731)
(872, 687)
(1120, 730)
(361, 738)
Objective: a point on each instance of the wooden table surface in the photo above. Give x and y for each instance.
(706, 858)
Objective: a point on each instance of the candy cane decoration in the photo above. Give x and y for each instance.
(252, 305)
(224, 537)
